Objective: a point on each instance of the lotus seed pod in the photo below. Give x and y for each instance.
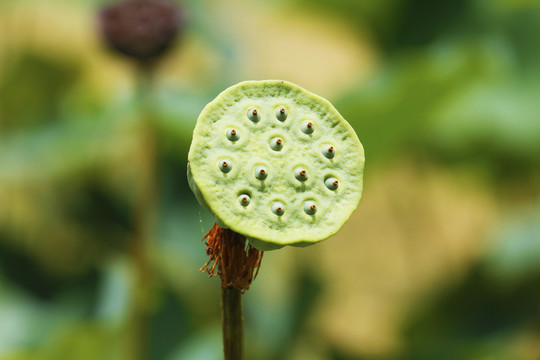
(287, 207)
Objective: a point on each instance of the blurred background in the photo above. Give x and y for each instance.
(100, 235)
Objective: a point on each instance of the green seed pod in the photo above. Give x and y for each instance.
(298, 223)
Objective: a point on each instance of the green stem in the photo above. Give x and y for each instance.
(233, 330)
(145, 211)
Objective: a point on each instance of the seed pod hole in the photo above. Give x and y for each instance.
(278, 208)
(310, 207)
(261, 172)
(307, 127)
(254, 115)
(331, 183)
(300, 174)
(281, 113)
(225, 166)
(328, 151)
(276, 143)
(244, 199)
(233, 135)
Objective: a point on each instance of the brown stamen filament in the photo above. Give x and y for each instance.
(232, 258)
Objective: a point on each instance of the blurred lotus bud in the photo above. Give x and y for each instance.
(141, 29)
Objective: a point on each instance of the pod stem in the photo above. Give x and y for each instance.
(237, 263)
(233, 324)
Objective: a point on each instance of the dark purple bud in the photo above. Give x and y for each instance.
(141, 29)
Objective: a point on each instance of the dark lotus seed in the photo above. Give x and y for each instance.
(261, 172)
(310, 208)
(328, 151)
(225, 165)
(232, 135)
(300, 174)
(244, 199)
(307, 127)
(331, 183)
(281, 114)
(254, 115)
(276, 144)
(278, 208)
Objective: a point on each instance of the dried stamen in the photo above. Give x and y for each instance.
(236, 261)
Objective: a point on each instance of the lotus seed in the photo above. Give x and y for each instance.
(278, 208)
(281, 114)
(328, 151)
(254, 115)
(276, 144)
(244, 199)
(331, 183)
(310, 208)
(232, 135)
(225, 165)
(261, 172)
(307, 127)
(300, 174)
